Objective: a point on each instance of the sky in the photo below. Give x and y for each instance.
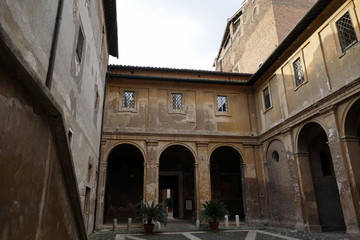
(172, 33)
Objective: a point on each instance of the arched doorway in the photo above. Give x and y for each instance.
(226, 179)
(124, 183)
(313, 141)
(176, 180)
(352, 139)
(281, 191)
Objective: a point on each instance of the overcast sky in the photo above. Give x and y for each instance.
(172, 33)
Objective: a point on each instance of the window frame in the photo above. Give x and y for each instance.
(227, 112)
(339, 33)
(80, 43)
(264, 101)
(173, 110)
(297, 56)
(123, 108)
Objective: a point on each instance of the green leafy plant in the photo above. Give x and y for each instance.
(169, 202)
(151, 212)
(214, 211)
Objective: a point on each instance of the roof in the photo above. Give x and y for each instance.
(111, 26)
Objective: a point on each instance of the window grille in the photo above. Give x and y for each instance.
(267, 101)
(177, 101)
(129, 99)
(346, 31)
(80, 44)
(222, 104)
(299, 73)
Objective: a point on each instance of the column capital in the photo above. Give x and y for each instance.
(202, 144)
(152, 142)
(301, 154)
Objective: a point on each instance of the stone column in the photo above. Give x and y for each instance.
(202, 178)
(342, 178)
(294, 170)
(251, 187)
(307, 193)
(151, 172)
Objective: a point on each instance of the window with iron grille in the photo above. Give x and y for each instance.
(267, 102)
(80, 44)
(299, 73)
(129, 100)
(177, 101)
(346, 31)
(222, 105)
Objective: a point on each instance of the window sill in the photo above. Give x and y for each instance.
(347, 49)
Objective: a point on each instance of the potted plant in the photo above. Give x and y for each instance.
(151, 212)
(214, 211)
(169, 204)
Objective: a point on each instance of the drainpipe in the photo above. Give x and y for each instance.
(100, 152)
(54, 44)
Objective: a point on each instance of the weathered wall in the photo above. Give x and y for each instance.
(263, 25)
(34, 193)
(199, 116)
(77, 86)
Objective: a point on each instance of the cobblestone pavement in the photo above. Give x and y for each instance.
(240, 234)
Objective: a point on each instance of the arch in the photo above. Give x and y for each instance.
(227, 145)
(318, 178)
(352, 141)
(124, 182)
(281, 192)
(177, 179)
(114, 145)
(227, 178)
(179, 144)
(301, 141)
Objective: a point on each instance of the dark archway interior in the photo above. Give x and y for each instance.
(178, 161)
(226, 179)
(352, 122)
(124, 183)
(326, 191)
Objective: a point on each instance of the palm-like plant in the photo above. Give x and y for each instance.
(151, 212)
(214, 210)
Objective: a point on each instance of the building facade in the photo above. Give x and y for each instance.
(255, 30)
(279, 146)
(54, 56)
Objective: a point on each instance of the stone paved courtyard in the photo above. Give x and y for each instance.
(243, 233)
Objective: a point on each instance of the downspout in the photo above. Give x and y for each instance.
(54, 44)
(100, 152)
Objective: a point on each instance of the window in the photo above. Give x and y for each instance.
(266, 94)
(346, 31)
(177, 101)
(236, 24)
(80, 44)
(299, 73)
(128, 100)
(222, 105)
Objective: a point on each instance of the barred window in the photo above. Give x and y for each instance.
(299, 73)
(222, 105)
(177, 101)
(346, 31)
(129, 100)
(267, 102)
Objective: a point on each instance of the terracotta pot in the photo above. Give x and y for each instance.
(149, 228)
(169, 209)
(214, 226)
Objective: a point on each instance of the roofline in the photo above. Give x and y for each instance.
(111, 27)
(173, 79)
(164, 69)
(299, 28)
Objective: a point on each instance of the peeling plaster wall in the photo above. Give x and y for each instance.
(77, 86)
(35, 202)
(153, 111)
